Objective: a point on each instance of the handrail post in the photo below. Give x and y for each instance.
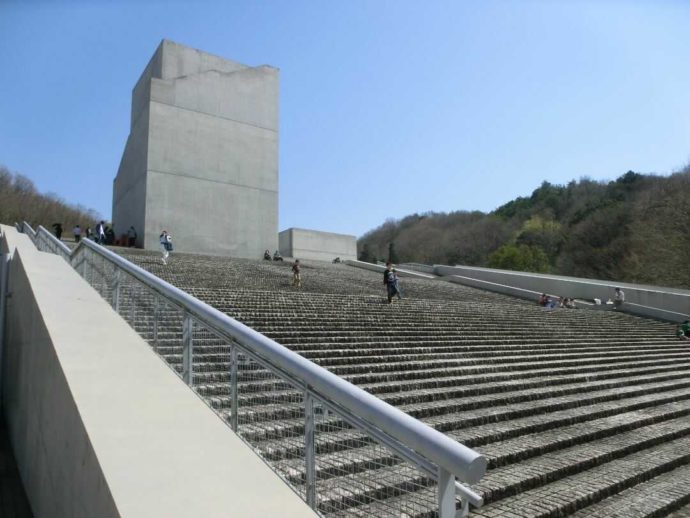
(446, 493)
(234, 407)
(310, 449)
(156, 317)
(132, 304)
(187, 345)
(464, 511)
(116, 291)
(87, 270)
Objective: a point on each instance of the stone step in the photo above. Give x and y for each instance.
(483, 426)
(361, 379)
(647, 424)
(446, 377)
(411, 400)
(505, 364)
(575, 492)
(658, 497)
(490, 383)
(202, 356)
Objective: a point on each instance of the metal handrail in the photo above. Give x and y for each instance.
(26, 227)
(457, 459)
(63, 249)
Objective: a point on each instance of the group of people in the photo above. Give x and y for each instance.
(103, 234)
(276, 255)
(556, 302)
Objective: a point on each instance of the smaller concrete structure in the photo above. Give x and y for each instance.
(316, 245)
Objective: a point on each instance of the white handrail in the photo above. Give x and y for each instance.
(62, 246)
(465, 463)
(416, 440)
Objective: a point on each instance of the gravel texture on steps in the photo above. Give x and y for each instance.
(577, 411)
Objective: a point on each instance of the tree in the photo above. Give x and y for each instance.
(543, 233)
(392, 255)
(21, 201)
(521, 258)
(365, 254)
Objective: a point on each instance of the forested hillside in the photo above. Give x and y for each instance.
(20, 201)
(635, 229)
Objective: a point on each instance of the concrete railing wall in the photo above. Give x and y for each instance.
(656, 302)
(99, 425)
(380, 268)
(494, 287)
(418, 267)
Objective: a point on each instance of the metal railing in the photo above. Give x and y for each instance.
(338, 446)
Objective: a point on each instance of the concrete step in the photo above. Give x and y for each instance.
(575, 492)
(658, 497)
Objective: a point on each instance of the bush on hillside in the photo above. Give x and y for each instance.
(20, 201)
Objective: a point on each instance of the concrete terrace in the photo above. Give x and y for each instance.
(580, 413)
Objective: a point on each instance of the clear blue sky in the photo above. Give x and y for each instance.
(386, 107)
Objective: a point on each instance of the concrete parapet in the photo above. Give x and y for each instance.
(101, 427)
(494, 287)
(418, 267)
(316, 245)
(666, 303)
(379, 268)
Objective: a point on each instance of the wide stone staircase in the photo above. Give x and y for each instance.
(579, 412)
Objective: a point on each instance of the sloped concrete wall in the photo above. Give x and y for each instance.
(674, 303)
(100, 426)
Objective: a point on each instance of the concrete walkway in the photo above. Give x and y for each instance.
(13, 502)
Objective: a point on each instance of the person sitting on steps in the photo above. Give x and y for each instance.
(618, 298)
(267, 255)
(277, 256)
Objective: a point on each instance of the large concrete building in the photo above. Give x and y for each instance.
(201, 159)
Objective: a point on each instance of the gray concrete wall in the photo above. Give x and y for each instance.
(129, 186)
(316, 245)
(671, 301)
(180, 60)
(211, 152)
(88, 408)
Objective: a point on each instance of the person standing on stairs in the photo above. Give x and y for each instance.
(77, 233)
(131, 237)
(396, 283)
(100, 233)
(296, 277)
(166, 245)
(389, 281)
